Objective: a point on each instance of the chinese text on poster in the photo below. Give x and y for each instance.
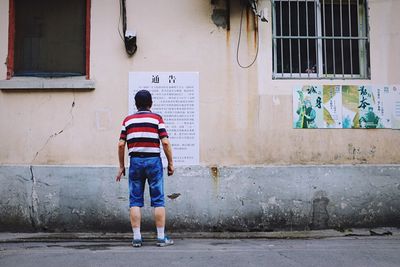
(176, 99)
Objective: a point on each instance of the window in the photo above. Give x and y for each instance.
(49, 38)
(320, 39)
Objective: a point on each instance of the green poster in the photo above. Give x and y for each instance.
(308, 107)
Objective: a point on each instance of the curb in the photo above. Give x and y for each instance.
(116, 237)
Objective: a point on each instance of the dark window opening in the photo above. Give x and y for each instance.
(50, 38)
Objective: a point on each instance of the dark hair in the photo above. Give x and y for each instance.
(143, 99)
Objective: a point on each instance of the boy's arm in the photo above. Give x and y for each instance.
(121, 158)
(168, 153)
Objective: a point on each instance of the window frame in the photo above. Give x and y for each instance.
(11, 41)
(363, 44)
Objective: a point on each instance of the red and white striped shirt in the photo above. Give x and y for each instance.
(143, 131)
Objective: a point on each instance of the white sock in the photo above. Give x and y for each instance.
(136, 233)
(160, 233)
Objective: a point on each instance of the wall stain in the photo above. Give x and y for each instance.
(256, 37)
(215, 172)
(356, 154)
(221, 13)
(320, 216)
(215, 175)
(174, 195)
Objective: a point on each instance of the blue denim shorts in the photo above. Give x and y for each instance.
(140, 170)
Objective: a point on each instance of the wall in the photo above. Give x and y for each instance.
(262, 198)
(245, 116)
(58, 148)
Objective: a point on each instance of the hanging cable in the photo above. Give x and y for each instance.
(239, 38)
(123, 6)
(128, 38)
(119, 21)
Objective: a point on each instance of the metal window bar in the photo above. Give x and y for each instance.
(350, 41)
(308, 41)
(325, 61)
(290, 41)
(298, 33)
(274, 42)
(314, 67)
(280, 5)
(320, 39)
(341, 35)
(333, 40)
(362, 31)
(320, 60)
(359, 33)
(366, 42)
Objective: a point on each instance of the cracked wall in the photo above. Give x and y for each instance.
(67, 198)
(43, 127)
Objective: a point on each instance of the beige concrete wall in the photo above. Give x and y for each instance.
(245, 116)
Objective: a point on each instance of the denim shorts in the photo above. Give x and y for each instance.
(141, 169)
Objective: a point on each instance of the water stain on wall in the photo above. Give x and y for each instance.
(320, 216)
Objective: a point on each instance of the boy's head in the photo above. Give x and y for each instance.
(143, 100)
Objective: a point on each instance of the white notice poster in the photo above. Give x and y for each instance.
(176, 99)
(383, 105)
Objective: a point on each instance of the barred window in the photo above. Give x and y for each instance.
(320, 39)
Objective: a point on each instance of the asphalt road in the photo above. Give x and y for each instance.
(348, 251)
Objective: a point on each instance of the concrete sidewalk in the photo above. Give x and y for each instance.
(18, 250)
(110, 237)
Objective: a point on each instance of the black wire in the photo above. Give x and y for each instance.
(119, 20)
(238, 45)
(123, 16)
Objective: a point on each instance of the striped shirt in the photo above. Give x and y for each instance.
(143, 131)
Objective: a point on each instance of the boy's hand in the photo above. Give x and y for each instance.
(120, 173)
(170, 169)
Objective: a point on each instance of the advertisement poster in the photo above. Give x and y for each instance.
(332, 96)
(383, 106)
(395, 96)
(176, 99)
(373, 103)
(308, 107)
(350, 106)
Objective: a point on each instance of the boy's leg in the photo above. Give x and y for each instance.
(159, 216)
(136, 216)
(154, 172)
(136, 189)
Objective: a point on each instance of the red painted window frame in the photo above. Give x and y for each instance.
(11, 39)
